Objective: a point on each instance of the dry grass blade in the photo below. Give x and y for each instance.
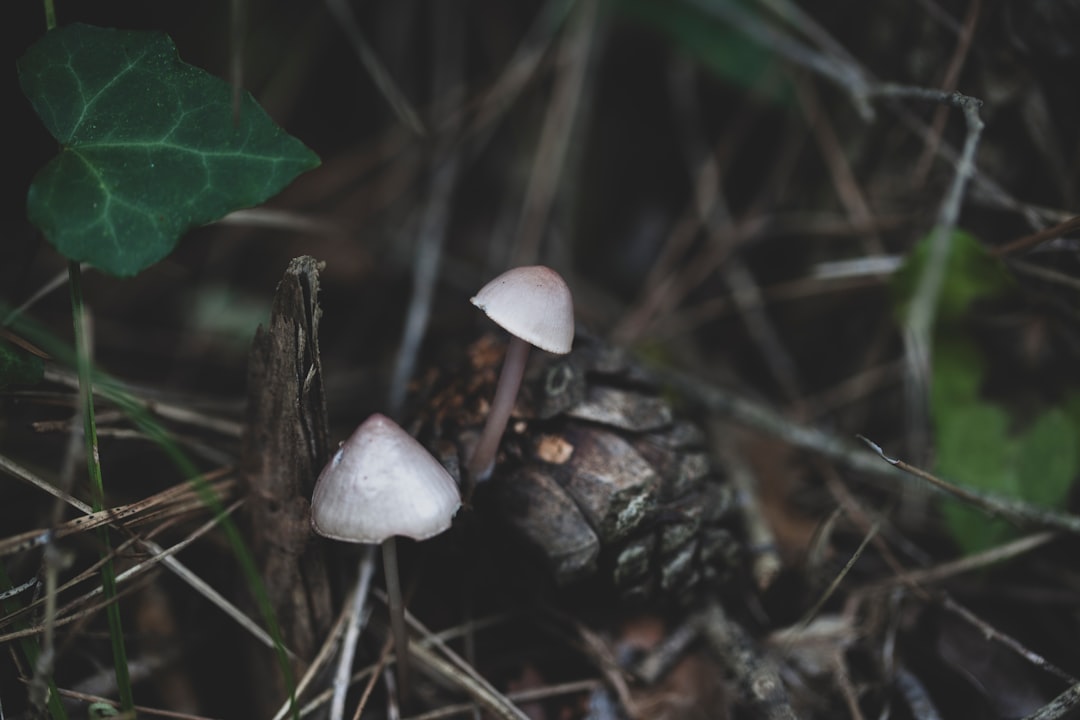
(131, 572)
(469, 682)
(80, 524)
(971, 563)
(448, 61)
(141, 709)
(456, 672)
(459, 672)
(20, 473)
(177, 500)
(169, 411)
(393, 95)
(562, 113)
(763, 418)
(520, 696)
(357, 605)
(325, 654)
(69, 614)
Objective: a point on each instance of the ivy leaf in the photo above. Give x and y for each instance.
(719, 47)
(978, 447)
(148, 146)
(979, 442)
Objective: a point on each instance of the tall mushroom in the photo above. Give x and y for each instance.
(534, 305)
(380, 484)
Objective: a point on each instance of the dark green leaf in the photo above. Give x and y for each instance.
(725, 51)
(977, 441)
(958, 372)
(977, 447)
(149, 146)
(1046, 459)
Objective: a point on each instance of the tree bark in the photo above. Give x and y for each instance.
(285, 447)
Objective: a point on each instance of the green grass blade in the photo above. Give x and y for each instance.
(93, 465)
(115, 393)
(30, 648)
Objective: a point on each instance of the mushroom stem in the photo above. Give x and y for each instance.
(397, 615)
(482, 460)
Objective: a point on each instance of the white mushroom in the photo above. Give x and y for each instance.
(380, 484)
(534, 305)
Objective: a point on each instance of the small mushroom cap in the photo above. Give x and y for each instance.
(381, 483)
(532, 303)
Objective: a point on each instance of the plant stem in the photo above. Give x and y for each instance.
(93, 466)
(482, 460)
(50, 15)
(397, 615)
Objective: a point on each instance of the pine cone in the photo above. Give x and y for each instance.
(596, 473)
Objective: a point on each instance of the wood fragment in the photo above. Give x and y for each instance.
(285, 446)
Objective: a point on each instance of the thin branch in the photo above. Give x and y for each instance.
(989, 632)
(1059, 707)
(1015, 511)
(756, 676)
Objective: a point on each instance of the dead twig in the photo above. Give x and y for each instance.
(990, 633)
(970, 563)
(948, 83)
(757, 678)
(1059, 707)
(1029, 241)
(761, 542)
(1015, 511)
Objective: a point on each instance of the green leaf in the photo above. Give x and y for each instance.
(971, 274)
(101, 710)
(1046, 460)
(149, 146)
(977, 442)
(725, 51)
(976, 448)
(958, 371)
(972, 450)
(18, 367)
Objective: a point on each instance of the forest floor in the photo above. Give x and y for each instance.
(792, 225)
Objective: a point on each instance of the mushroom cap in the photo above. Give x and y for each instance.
(532, 303)
(381, 483)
